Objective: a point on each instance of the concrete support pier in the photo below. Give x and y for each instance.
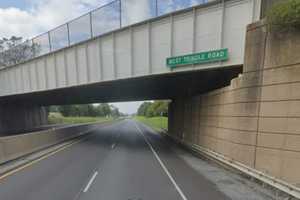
(19, 117)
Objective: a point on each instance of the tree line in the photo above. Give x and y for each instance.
(14, 50)
(153, 109)
(87, 110)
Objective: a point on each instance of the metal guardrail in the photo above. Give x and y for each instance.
(112, 16)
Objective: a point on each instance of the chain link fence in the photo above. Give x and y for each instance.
(112, 16)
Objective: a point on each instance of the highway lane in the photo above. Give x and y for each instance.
(123, 161)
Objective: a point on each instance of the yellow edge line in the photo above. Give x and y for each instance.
(37, 160)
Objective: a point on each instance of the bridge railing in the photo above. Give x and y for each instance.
(112, 16)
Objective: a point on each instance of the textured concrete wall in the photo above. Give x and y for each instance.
(255, 120)
(14, 118)
(278, 142)
(13, 147)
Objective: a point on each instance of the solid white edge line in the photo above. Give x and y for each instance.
(162, 164)
(90, 182)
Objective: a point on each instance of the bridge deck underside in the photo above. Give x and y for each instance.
(166, 86)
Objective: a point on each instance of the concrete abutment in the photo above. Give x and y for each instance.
(255, 120)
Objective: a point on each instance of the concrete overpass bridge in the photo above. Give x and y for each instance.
(109, 56)
(80, 63)
(183, 56)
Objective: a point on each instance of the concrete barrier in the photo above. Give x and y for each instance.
(13, 147)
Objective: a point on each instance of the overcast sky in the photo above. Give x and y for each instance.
(29, 18)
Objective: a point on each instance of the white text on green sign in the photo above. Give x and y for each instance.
(198, 58)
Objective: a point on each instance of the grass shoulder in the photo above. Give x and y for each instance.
(57, 118)
(157, 123)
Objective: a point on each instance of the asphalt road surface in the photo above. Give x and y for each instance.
(123, 161)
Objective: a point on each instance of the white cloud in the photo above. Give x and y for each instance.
(42, 16)
(14, 21)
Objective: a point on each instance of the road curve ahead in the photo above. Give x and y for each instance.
(123, 161)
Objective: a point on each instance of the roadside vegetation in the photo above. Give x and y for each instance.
(154, 114)
(58, 118)
(284, 15)
(14, 50)
(153, 109)
(74, 114)
(157, 123)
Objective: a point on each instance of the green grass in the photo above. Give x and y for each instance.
(157, 123)
(57, 118)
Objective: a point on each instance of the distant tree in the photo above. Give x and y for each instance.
(161, 108)
(150, 112)
(66, 110)
(152, 109)
(101, 110)
(92, 110)
(53, 109)
(284, 15)
(14, 50)
(142, 110)
(115, 112)
(105, 108)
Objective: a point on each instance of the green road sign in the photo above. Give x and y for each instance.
(198, 58)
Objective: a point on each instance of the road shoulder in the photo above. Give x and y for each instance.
(234, 185)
